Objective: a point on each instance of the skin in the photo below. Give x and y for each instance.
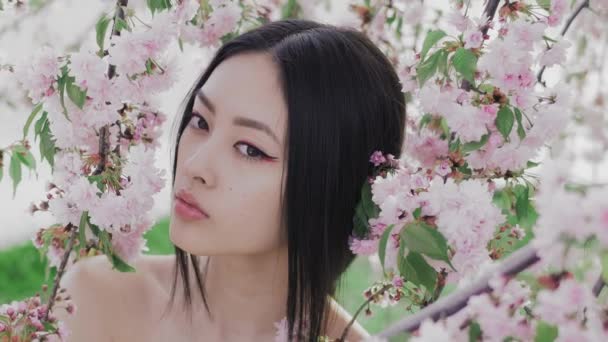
(247, 277)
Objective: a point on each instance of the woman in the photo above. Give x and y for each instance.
(272, 149)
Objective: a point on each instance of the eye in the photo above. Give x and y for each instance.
(197, 121)
(250, 152)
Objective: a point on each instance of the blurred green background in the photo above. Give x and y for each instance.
(23, 271)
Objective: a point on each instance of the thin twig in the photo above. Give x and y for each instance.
(352, 321)
(579, 9)
(61, 269)
(104, 132)
(103, 150)
(446, 306)
(598, 286)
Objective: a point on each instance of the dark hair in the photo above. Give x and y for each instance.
(344, 102)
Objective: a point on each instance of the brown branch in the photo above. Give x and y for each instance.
(103, 151)
(446, 306)
(104, 132)
(598, 286)
(61, 269)
(579, 9)
(354, 318)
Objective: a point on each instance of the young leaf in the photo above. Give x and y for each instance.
(545, 332)
(47, 144)
(25, 156)
(84, 218)
(465, 63)
(428, 68)
(100, 30)
(15, 172)
(382, 244)
(521, 201)
(77, 95)
(39, 124)
(121, 25)
(475, 145)
(117, 262)
(422, 238)
(520, 127)
(432, 37)
(28, 123)
(415, 269)
(504, 121)
(474, 332)
(604, 263)
(417, 213)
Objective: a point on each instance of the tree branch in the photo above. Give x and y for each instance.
(352, 321)
(104, 132)
(579, 9)
(446, 306)
(61, 269)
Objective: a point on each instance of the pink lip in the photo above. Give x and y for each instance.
(186, 206)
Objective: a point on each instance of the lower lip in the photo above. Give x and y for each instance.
(186, 211)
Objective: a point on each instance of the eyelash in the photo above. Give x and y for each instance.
(262, 156)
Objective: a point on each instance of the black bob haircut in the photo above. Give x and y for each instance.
(344, 102)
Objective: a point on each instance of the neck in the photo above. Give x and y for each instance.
(246, 294)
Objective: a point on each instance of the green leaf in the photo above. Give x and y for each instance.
(117, 262)
(47, 144)
(100, 31)
(84, 218)
(474, 332)
(604, 262)
(545, 332)
(486, 88)
(290, 9)
(121, 25)
(28, 123)
(417, 213)
(382, 244)
(504, 121)
(15, 172)
(428, 68)
(421, 238)
(475, 145)
(545, 4)
(521, 201)
(39, 124)
(432, 37)
(77, 95)
(426, 118)
(443, 123)
(158, 5)
(366, 209)
(415, 269)
(61, 84)
(521, 132)
(465, 63)
(25, 156)
(502, 200)
(531, 164)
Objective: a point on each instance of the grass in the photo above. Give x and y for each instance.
(23, 271)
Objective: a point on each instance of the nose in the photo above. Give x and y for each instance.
(199, 163)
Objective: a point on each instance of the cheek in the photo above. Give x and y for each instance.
(255, 212)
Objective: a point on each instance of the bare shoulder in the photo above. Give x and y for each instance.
(341, 319)
(103, 297)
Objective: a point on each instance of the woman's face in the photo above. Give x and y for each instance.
(230, 160)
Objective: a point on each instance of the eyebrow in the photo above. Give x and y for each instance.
(239, 120)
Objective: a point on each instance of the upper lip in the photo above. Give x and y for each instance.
(187, 197)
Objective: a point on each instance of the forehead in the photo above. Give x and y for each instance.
(247, 85)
